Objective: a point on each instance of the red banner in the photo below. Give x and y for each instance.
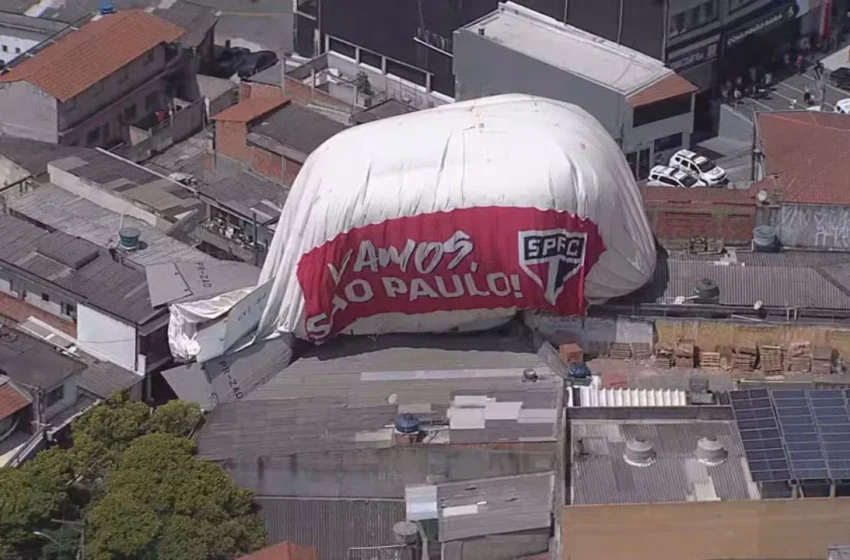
(467, 259)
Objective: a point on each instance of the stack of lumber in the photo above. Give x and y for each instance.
(709, 360)
(771, 358)
(799, 357)
(727, 357)
(621, 351)
(641, 350)
(685, 355)
(823, 360)
(746, 355)
(664, 355)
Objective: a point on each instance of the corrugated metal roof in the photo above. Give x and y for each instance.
(571, 49)
(600, 475)
(187, 281)
(96, 50)
(332, 527)
(33, 155)
(630, 397)
(297, 127)
(494, 506)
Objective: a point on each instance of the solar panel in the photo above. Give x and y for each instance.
(832, 420)
(760, 435)
(800, 435)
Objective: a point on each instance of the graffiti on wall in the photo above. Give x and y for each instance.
(823, 227)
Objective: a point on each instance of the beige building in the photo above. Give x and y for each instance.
(94, 81)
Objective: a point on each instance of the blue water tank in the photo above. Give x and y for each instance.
(106, 7)
(579, 370)
(407, 424)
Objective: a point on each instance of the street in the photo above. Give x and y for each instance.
(783, 95)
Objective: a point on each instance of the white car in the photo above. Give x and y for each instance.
(702, 168)
(663, 176)
(843, 106)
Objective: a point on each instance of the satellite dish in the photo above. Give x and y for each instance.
(762, 196)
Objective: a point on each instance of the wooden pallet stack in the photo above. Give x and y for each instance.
(641, 350)
(664, 355)
(709, 360)
(621, 351)
(823, 360)
(770, 357)
(746, 355)
(685, 354)
(799, 357)
(727, 357)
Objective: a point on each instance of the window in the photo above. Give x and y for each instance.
(677, 24)
(631, 159)
(661, 110)
(5, 48)
(643, 164)
(17, 50)
(149, 56)
(130, 113)
(69, 310)
(93, 137)
(45, 297)
(54, 396)
(150, 101)
(668, 142)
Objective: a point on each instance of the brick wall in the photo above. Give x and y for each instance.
(290, 171)
(231, 139)
(267, 164)
(680, 214)
(295, 90)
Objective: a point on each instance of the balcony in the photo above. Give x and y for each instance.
(235, 241)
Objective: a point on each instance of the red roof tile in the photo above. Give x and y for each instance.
(11, 400)
(283, 551)
(99, 48)
(671, 86)
(806, 156)
(252, 108)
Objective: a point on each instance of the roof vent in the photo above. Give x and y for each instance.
(481, 31)
(406, 532)
(128, 238)
(639, 453)
(106, 8)
(407, 424)
(529, 374)
(765, 239)
(706, 291)
(710, 451)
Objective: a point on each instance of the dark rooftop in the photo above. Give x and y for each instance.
(331, 526)
(296, 127)
(601, 475)
(34, 156)
(791, 279)
(383, 110)
(76, 266)
(32, 362)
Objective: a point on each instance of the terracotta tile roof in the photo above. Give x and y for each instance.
(806, 156)
(99, 48)
(283, 551)
(665, 88)
(252, 108)
(701, 196)
(11, 400)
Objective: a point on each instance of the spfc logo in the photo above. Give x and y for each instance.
(551, 257)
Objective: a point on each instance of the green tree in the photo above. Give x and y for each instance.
(161, 502)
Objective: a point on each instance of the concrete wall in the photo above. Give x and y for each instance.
(80, 187)
(813, 226)
(709, 335)
(483, 67)
(33, 294)
(179, 126)
(11, 46)
(10, 172)
(499, 547)
(69, 398)
(28, 112)
(107, 339)
(594, 335)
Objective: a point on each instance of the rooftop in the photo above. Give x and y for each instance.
(123, 179)
(187, 281)
(75, 266)
(579, 52)
(493, 506)
(29, 361)
(791, 279)
(600, 473)
(812, 172)
(26, 26)
(64, 211)
(79, 60)
(383, 110)
(332, 527)
(251, 108)
(298, 128)
(12, 399)
(33, 155)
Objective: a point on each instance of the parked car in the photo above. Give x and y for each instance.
(229, 61)
(843, 106)
(840, 78)
(663, 176)
(700, 167)
(256, 62)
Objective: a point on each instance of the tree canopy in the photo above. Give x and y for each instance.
(131, 482)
